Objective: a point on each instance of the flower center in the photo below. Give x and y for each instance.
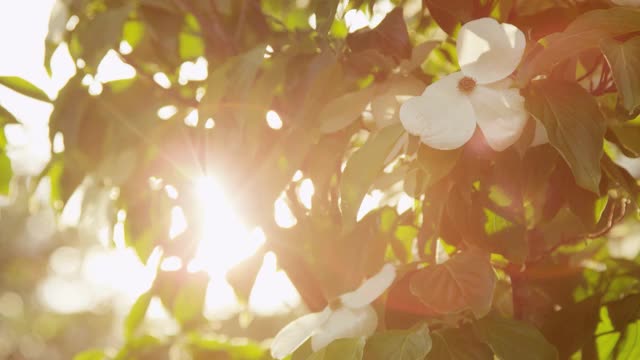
(466, 85)
(335, 304)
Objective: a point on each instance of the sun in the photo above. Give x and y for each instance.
(224, 242)
(224, 239)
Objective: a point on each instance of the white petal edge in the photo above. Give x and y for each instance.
(371, 289)
(540, 135)
(489, 51)
(441, 254)
(290, 337)
(442, 116)
(345, 323)
(501, 115)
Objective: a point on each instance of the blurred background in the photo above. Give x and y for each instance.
(67, 278)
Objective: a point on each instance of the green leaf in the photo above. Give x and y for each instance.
(587, 206)
(569, 328)
(419, 54)
(363, 168)
(584, 33)
(565, 225)
(627, 135)
(24, 87)
(433, 210)
(413, 344)
(325, 15)
(6, 173)
(614, 21)
(605, 336)
(212, 347)
(390, 37)
(575, 127)
(624, 311)
(449, 13)
(466, 281)
(216, 89)
(436, 164)
(624, 60)
(93, 354)
(627, 347)
(6, 117)
(133, 33)
(232, 79)
(189, 300)
(344, 110)
(136, 314)
(191, 46)
(342, 349)
(458, 344)
(505, 238)
(620, 178)
(622, 315)
(513, 339)
(245, 70)
(102, 33)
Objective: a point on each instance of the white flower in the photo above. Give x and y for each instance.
(349, 317)
(446, 114)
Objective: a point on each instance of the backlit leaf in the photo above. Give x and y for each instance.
(624, 60)
(458, 344)
(586, 32)
(102, 33)
(344, 110)
(512, 339)
(136, 314)
(6, 172)
(362, 169)
(575, 127)
(341, 349)
(6, 117)
(466, 281)
(413, 344)
(24, 87)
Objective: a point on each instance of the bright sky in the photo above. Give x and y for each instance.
(91, 277)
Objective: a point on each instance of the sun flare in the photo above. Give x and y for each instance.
(224, 242)
(224, 239)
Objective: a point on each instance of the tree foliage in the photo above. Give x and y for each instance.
(527, 229)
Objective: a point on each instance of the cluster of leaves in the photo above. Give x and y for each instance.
(521, 224)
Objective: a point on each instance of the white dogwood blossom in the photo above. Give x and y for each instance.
(349, 316)
(446, 114)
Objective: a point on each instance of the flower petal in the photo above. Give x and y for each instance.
(442, 116)
(371, 289)
(540, 135)
(501, 115)
(345, 323)
(297, 332)
(489, 51)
